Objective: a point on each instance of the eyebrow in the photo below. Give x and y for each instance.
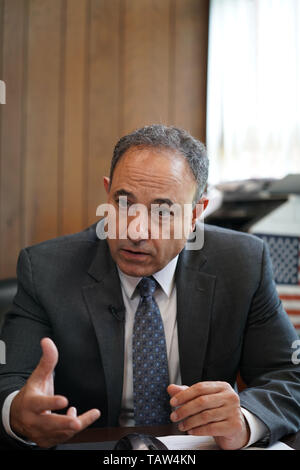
(123, 192)
(163, 201)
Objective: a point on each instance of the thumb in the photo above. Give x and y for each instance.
(47, 362)
(173, 389)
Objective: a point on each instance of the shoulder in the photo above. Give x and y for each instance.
(223, 239)
(84, 237)
(225, 249)
(76, 249)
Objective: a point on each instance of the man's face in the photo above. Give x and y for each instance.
(149, 177)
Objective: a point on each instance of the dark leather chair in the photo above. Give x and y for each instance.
(8, 289)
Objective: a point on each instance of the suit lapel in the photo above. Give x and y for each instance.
(105, 305)
(195, 291)
(103, 296)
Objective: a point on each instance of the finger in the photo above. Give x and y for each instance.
(211, 429)
(203, 418)
(173, 389)
(41, 403)
(198, 405)
(87, 418)
(47, 362)
(72, 412)
(196, 390)
(52, 423)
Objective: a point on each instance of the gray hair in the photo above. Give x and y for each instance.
(164, 137)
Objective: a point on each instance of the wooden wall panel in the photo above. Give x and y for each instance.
(190, 65)
(11, 163)
(74, 97)
(79, 74)
(42, 116)
(103, 99)
(145, 71)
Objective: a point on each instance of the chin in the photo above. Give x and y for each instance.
(135, 270)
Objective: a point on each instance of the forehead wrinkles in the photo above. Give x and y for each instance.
(153, 171)
(154, 166)
(142, 177)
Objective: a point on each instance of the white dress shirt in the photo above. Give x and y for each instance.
(166, 300)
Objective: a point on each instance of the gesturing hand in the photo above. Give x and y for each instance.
(30, 413)
(210, 409)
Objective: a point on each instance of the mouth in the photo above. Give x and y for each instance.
(134, 254)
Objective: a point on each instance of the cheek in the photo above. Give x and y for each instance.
(181, 226)
(167, 249)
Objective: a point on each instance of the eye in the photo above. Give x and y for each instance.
(122, 202)
(162, 211)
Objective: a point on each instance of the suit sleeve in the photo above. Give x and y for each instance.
(25, 325)
(273, 380)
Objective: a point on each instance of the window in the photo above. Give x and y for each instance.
(253, 104)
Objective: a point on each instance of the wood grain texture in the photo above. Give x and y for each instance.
(103, 99)
(42, 116)
(190, 65)
(146, 63)
(73, 98)
(11, 164)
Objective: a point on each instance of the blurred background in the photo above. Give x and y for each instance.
(79, 74)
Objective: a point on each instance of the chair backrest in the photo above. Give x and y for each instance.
(8, 289)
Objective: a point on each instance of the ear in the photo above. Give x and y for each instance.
(198, 210)
(106, 183)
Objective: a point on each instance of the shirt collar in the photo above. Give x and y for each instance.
(165, 278)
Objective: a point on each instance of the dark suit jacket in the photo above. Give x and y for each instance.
(229, 319)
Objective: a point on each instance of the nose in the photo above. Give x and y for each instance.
(138, 226)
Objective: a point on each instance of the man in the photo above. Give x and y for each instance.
(82, 297)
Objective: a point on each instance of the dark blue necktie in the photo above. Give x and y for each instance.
(149, 360)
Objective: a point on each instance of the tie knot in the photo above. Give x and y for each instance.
(147, 286)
